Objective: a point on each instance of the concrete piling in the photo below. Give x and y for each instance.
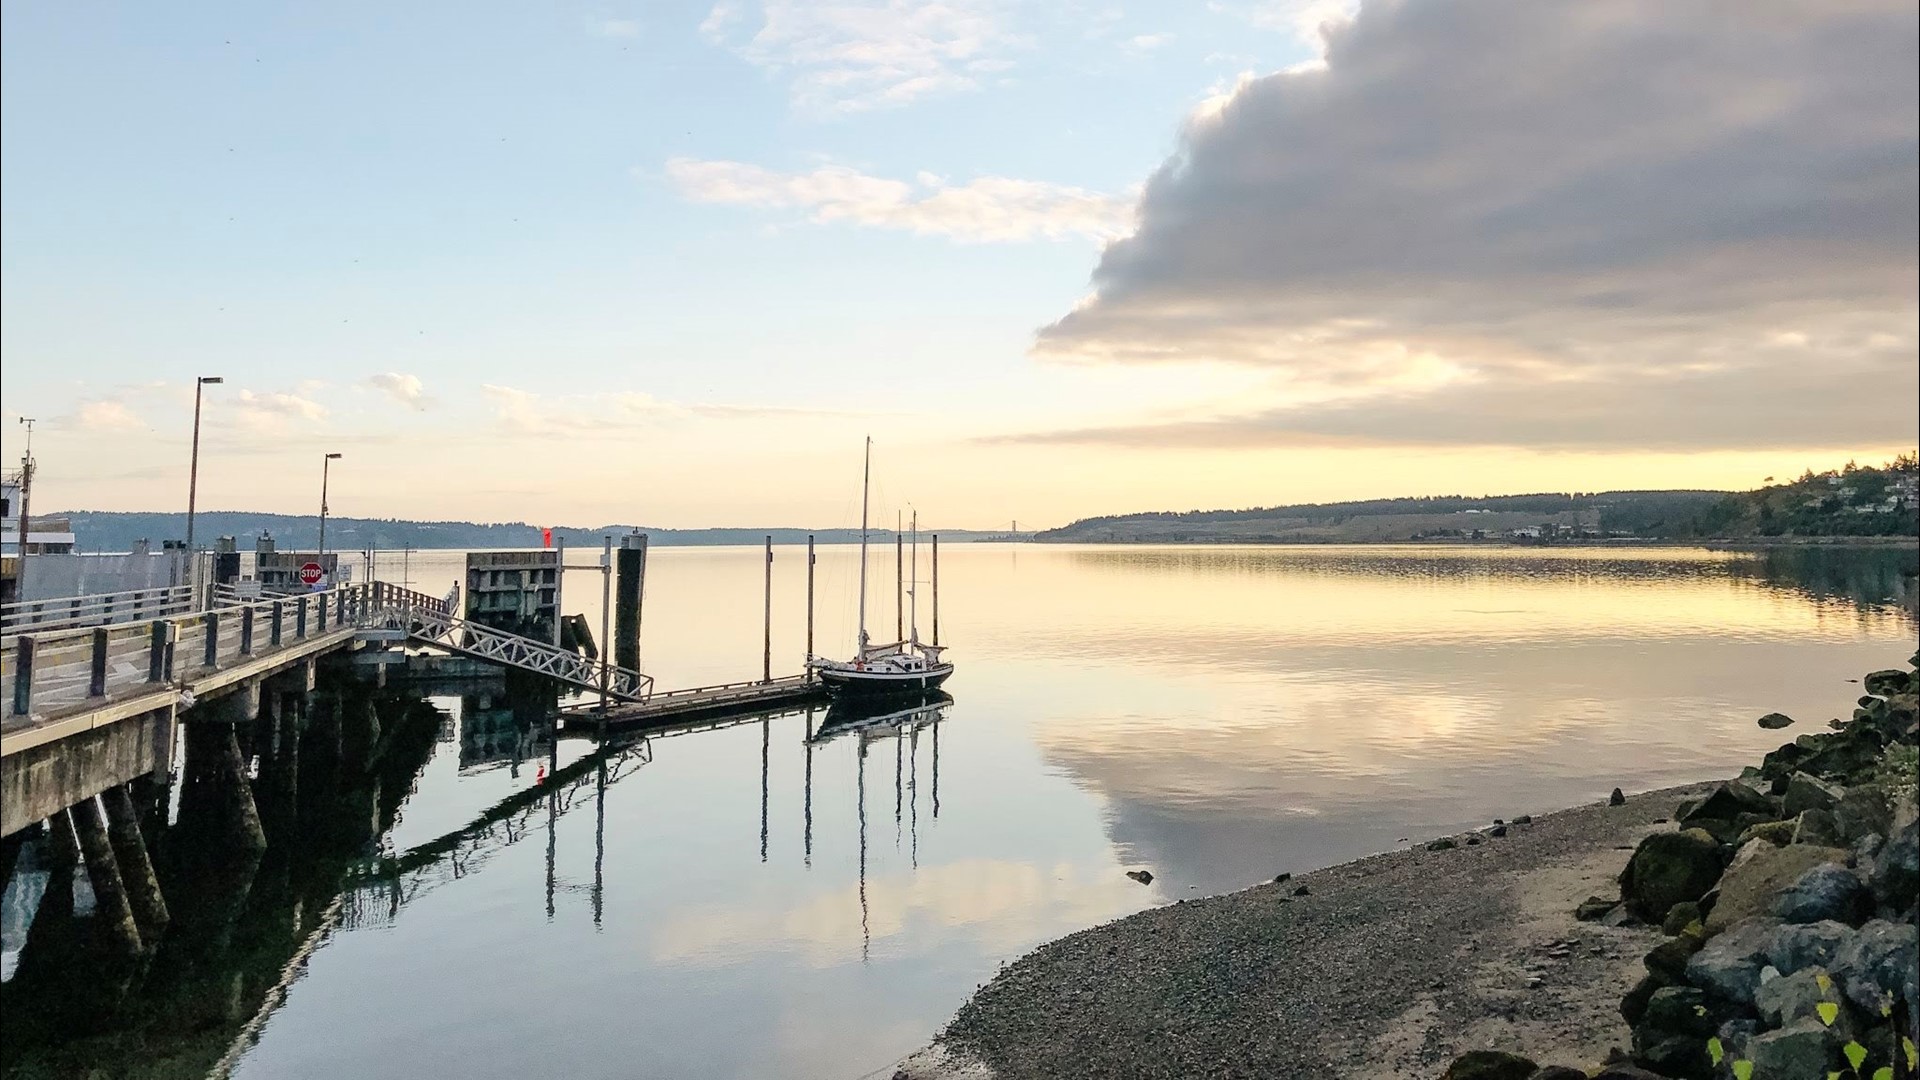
(238, 811)
(112, 912)
(136, 867)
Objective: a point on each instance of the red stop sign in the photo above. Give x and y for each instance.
(310, 573)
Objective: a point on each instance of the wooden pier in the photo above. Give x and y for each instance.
(700, 702)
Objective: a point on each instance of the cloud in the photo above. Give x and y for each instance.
(854, 56)
(615, 28)
(406, 389)
(107, 416)
(274, 411)
(1141, 44)
(1306, 21)
(530, 413)
(1519, 222)
(987, 209)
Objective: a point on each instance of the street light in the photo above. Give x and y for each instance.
(193, 472)
(325, 464)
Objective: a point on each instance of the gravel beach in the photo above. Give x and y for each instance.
(1385, 967)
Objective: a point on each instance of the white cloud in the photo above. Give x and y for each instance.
(530, 413)
(615, 28)
(107, 416)
(405, 389)
(866, 54)
(274, 411)
(1141, 44)
(987, 209)
(1308, 22)
(1524, 222)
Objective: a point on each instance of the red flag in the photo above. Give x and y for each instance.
(546, 537)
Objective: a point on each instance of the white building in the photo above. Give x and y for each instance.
(45, 536)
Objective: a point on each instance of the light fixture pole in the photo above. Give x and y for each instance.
(325, 465)
(193, 470)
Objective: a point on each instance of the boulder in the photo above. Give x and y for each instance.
(1728, 801)
(1798, 947)
(1807, 792)
(1864, 809)
(1878, 964)
(1818, 827)
(1887, 683)
(1668, 868)
(1728, 966)
(1680, 916)
(1667, 961)
(1757, 872)
(1896, 870)
(1673, 1055)
(1866, 850)
(1777, 833)
(1788, 998)
(1802, 1049)
(1633, 1007)
(1774, 721)
(1828, 891)
(1734, 1035)
(1557, 1072)
(1489, 1065)
(1594, 908)
(1618, 798)
(1678, 1010)
(1442, 844)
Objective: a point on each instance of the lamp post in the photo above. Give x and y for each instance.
(193, 470)
(325, 465)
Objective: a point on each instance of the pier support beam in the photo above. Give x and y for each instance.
(136, 868)
(238, 810)
(112, 913)
(629, 580)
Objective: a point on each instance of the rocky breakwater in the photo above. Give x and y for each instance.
(1788, 900)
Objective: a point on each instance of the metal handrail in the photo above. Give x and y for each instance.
(94, 609)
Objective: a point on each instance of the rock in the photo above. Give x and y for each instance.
(1673, 1055)
(1278, 878)
(1626, 1072)
(1788, 998)
(1633, 1006)
(1864, 809)
(1680, 916)
(1442, 844)
(1473, 841)
(1666, 869)
(1774, 721)
(1618, 917)
(1679, 1010)
(1828, 891)
(1798, 947)
(1301, 891)
(1144, 877)
(1887, 683)
(1728, 966)
(1497, 832)
(1804, 1048)
(1734, 1035)
(1880, 962)
(1729, 801)
(1523, 819)
(1866, 850)
(1489, 1065)
(1557, 1072)
(1668, 960)
(1818, 827)
(1777, 833)
(1806, 792)
(1896, 870)
(1618, 798)
(1757, 872)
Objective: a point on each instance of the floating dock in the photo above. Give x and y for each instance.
(699, 702)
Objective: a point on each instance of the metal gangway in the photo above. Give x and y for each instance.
(430, 620)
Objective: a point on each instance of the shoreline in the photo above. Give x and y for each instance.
(1390, 965)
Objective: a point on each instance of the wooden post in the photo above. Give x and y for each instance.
(246, 630)
(628, 584)
(809, 607)
(300, 617)
(97, 675)
(936, 589)
(766, 654)
(23, 670)
(162, 636)
(210, 622)
(275, 632)
(606, 642)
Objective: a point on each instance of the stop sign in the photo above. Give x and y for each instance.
(311, 573)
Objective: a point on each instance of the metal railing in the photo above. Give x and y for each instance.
(431, 621)
(69, 670)
(99, 609)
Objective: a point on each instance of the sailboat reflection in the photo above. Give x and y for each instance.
(868, 720)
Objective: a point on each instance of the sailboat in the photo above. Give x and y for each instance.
(900, 667)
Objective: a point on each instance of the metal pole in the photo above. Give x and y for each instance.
(26, 517)
(193, 468)
(766, 652)
(606, 643)
(936, 588)
(809, 668)
(866, 483)
(899, 583)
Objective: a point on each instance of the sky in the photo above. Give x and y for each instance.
(669, 263)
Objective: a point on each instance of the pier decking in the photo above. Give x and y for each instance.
(786, 692)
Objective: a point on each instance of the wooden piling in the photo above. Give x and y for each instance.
(766, 652)
(241, 816)
(628, 591)
(136, 867)
(113, 914)
(810, 675)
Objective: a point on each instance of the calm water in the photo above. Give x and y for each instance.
(740, 902)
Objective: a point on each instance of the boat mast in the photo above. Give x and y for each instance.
(866, 482)
(913, 576)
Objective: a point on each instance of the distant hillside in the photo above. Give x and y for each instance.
(1853, 501)
(1593, 515)
(104, 530)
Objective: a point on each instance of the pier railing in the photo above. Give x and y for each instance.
(68, 670)
(99, 609)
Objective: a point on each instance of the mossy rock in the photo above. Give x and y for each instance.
(1668, 868)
